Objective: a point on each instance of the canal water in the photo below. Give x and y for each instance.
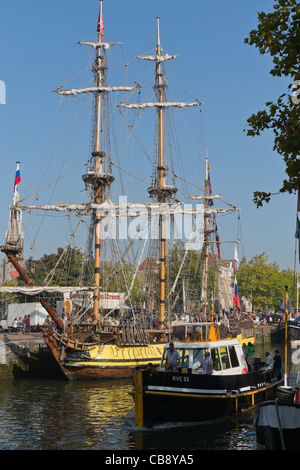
(62, 415)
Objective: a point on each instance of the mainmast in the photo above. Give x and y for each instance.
(206, 239)
(160, 191)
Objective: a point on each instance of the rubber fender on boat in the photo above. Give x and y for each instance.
(285, 393)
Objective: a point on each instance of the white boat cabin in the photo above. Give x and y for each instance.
(227, 357)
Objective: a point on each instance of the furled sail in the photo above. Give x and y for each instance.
(163, 104)
(105, 45)
(158, 58)
(116, 209)
(39, 290)
(79, 91)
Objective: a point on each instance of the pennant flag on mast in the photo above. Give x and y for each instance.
(236, 298)
(297, 235)
(236, 259)
(100, 27)
(18, 175)
(210, 201)
(217, 237)
(289, 306)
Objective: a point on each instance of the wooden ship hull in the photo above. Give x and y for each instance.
(103, 361)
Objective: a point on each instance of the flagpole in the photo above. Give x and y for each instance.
(285, 339)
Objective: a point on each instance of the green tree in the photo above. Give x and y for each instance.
(190, 275)
(61, 269)
(278, 34)
(263, 282)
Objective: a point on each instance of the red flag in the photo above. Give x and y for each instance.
(100, 27)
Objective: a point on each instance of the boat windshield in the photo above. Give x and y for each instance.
(223, 357)
(189, 358)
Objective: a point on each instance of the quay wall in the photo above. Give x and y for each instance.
(263, 334)
(26, 357)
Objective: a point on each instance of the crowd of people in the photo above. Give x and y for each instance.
(21, 325)
(271, 363)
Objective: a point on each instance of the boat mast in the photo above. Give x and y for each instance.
(160, 191)
(99, 161)
(206, 239)
(162, 174)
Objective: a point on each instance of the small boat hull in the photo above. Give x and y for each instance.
(162, 397)
(278, 425)
(293, 333)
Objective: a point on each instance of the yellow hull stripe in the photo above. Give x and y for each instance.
(122, 356)
(237, 395)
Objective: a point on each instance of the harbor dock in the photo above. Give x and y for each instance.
(27, 355)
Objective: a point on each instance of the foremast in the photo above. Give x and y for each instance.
(99, 176)
(160, 191)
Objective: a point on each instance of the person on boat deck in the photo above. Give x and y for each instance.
(207, 364)
(250, 359)
(277, 365)
(245, 351)
(268, 363)
(172, 358)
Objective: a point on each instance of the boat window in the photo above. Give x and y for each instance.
(224, 358)
(216, 359)
(184, 358)
(183, 355)
(233, 357)
(198, 356)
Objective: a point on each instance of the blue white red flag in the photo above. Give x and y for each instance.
(236, 298)
(18, 176)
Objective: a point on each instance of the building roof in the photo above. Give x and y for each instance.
(149, 264)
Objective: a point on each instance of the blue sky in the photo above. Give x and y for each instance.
(39, 51)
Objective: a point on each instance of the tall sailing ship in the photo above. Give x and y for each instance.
(90, 342)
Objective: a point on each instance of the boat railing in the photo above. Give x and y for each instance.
(200, 331)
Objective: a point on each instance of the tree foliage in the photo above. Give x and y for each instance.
(278, 34)
(264, 283)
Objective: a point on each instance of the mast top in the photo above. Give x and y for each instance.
(100, 25)
(158, 47)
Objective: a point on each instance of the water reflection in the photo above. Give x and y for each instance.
(52, 415)
(64, 415)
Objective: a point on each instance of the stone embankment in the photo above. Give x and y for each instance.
(263, 334)
(26, 356)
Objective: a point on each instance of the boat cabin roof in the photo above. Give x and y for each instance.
(204, 345)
